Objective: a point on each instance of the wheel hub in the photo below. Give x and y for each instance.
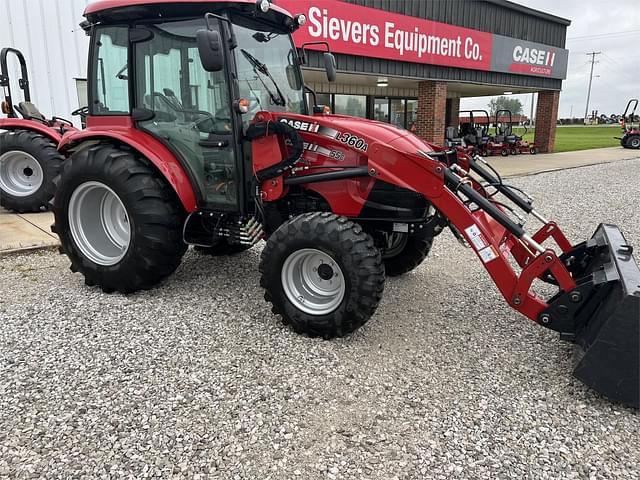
(20, 174)
(99, 223)
(313, 281)
(325, 272)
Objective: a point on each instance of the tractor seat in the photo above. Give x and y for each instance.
(30, 112)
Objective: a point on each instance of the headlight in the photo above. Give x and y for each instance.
(264, 5)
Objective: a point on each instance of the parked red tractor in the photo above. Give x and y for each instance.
(630, 128)
(29, 160)
(203, 137)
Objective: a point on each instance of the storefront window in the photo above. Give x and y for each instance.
(397, 112)
(412, 114)
(324, 99)
(352, 105)
(381, 109)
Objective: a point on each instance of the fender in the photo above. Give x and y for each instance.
(20, 124)
(147, 146)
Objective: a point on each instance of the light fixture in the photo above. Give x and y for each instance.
(383, 82)
(242, 105)
(264, 5)
(508, 93)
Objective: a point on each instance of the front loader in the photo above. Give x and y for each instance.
(205, 138)
(29, 160)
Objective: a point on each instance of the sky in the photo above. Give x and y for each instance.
(611, 27)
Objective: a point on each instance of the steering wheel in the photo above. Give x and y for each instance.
(82, 111)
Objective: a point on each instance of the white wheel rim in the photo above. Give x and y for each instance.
(99, 223)
(20, 174)
(313, 281)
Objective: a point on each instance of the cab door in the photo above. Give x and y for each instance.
(189, 110)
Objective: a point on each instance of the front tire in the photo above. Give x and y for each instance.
(634, 142)
(118, 221)
(323, 274)
(405, 252)
(29, 164)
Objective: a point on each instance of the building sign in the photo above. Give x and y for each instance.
(368, 32)
(528, 58)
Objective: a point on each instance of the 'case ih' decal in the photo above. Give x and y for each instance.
(302, 126)
(311, 127)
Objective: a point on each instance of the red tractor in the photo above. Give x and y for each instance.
(29, 160)
(203, 136)
(630, 130)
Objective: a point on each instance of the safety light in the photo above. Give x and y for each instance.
(243, 105)
(264, 5)
(301, 19)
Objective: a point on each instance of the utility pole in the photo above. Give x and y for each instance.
(593, 62)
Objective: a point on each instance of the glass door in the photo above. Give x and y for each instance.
(191, 110)
(381, 109)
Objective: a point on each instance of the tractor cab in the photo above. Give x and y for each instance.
(147, 71)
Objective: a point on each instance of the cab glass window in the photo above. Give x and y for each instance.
(190, 109)
(110, 93)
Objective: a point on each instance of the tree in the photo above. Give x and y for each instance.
(505, 103)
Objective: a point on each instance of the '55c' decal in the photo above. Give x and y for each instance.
(353, 141)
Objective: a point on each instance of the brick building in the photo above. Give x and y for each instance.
(410, 62)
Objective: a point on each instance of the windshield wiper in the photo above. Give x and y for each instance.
(260, 67)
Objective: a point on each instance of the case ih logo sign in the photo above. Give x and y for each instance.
(528, 58)
(368, 32)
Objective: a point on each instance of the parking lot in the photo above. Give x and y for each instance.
(198, 379)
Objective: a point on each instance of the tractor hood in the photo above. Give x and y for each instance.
(382, 132)
(354, 134)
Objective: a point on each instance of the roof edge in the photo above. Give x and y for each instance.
(530, 11)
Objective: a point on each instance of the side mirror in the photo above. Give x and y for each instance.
(292, 77)
(330, 66)
(210, 50)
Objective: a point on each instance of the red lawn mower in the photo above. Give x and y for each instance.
(29, 160)
(225, 152)
(505, 135)
(630, 130)
(475, 136)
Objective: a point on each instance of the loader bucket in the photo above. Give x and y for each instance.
(608, 322)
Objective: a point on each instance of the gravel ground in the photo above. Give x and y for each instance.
(197, 379)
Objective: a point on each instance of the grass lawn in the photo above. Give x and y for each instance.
(569, 139)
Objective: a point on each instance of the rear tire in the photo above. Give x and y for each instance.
(118, 221)
(504, 152)
(533, 150)
(408, 255)
(323, 274)
(634, 142)
(29, 164)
